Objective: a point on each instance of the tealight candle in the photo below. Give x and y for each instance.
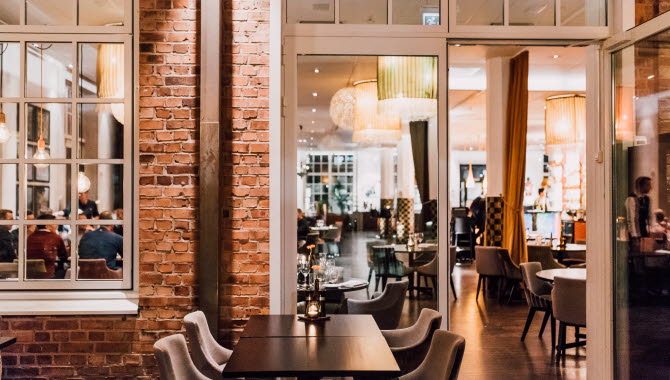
(313, 311)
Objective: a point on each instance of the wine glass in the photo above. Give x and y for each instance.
(304, 268)
(418, 237)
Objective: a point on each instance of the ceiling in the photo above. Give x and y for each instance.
(552, 71)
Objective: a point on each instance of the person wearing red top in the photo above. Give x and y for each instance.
(45, 244)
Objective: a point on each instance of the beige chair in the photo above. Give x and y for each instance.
(386, 308)
(9, 270)
(512, 273)
(538, 297)
(209, 357)
(542, 254)
(427, 271)
(174, 362)
(410, 345)
(569, 308)
(488, 267)
(443, 360)
(97, 269)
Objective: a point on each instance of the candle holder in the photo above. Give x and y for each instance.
(315, 309)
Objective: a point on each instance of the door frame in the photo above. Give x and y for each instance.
(283, 251)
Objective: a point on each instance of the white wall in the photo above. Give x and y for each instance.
(457, 158)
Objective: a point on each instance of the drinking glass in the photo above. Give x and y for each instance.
(418, 237)
(303, 267)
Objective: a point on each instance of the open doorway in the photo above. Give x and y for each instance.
(493, 306)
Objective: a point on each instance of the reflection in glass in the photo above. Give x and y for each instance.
(531, 12)
(641, 205)
(100, 133)
(101, 70)
(363, 12)
(56, 66)
(425, 12)
(48, 190)
(49, 12)
(310, 11)
(100, 250)
(9, 69)
(479, 12)
(48, 250)
(90, 14)
(583, 13)
(104, 192)
(10, 12)
(53, 123)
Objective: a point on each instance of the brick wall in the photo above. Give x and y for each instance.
(245, 257)
(645, 10)
(113, 347)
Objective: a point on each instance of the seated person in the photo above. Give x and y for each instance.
(8, 239)
(119, 216)
(87, 206)
(660, 225)
(303, 225)
(45, 244)
(102, 243)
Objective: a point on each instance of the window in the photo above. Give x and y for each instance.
(66, 149)
(396, 12)
(330, 181)
(530, 12)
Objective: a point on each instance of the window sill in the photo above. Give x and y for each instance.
(69, 303)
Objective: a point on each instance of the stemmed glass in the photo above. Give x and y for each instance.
(303, 268)
(418, 237)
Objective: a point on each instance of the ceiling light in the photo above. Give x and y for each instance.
(457, 45)
(313, 109)
(313, 122)
(314, 94)
(408, 85)
(371, 126)
(316, 70)
(555, 56)
(651, 76)
(342, 107)
(470, 180)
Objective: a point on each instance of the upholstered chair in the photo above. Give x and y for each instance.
(386, 308)
(538, 297)
(410, 345)
(511, 271)
(542, 254)
(569, 307)
(97, 269)
(209, 357)
(174, 362)
(443, 360)
(487, 266)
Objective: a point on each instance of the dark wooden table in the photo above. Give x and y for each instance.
(281, 345)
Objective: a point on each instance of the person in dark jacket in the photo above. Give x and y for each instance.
(8, 239)
(102, 243)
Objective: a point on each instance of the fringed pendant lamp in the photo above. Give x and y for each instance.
(41, 153)
(370, 125)
(565, 120)
(408, 85)
(343, 107)
(110, 78)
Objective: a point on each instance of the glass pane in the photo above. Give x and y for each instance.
(583, 12)
(10, 12)
(47, 250)
(9, 70)
(100, 250)
(52, 124)
(48, 190)
(90, 14)
(310, 11)
(479, 12)
(9, 197)
(101, 70)
(409, 12)
(9, 130)
(100, 188)
(363, 12)
(641, 204)
(531, 12)
(100, 132)
(56, 63)
(50, 12)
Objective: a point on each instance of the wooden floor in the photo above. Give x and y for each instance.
(492, 331)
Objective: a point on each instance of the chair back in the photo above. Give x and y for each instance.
(387, 264)
(569, 300)
(429, 269)
(174, 362)
(443, 361)
(9, 270)
(530, 280)
(487, 261)
(385, 309)
(209, 357)
(509, 269)
(97, 269)
(371, 254)
(452, 258)
(542, 254)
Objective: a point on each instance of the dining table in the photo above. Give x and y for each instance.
(572, 273)
(284, 346)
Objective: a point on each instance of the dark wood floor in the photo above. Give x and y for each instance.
(491, 330)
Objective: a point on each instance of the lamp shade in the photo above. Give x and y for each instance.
(110, 78)
(565, 119)
(342, 107)
(370, 125)
(408, 85)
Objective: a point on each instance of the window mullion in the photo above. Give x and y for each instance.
(74, 168)
(21, 152)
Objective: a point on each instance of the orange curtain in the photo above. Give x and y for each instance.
(514, 235)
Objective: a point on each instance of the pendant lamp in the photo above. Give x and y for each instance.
(41, 153)
(470, 179)
(565, 120)
(110, 78)
(408, 85)
(343, 107)
(370, 125)
(83, 182)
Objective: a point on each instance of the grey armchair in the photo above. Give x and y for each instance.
(569, 305)
(208, 355)
(410, 345)
(538, 296)
(542, 254)
(511, 271)
(174, 362)
(386, 308)
(488, 267)
(443, 360)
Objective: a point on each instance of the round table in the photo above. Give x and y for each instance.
(573, 273)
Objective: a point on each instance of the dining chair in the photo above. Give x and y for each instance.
(174, 362)
(487, 266)
(97, 269)
(452, 265)
(410, 345)
(428, 271)
(372, 260)
(9, 270)
(209, 357)
(569, 308)
(542, 254)
(538, 297)
(388, 266)
(384, 308)
(511, 271)
(443, 361)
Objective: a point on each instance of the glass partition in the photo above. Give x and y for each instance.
(421, 12)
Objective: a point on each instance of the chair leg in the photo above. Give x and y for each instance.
(553, 334)
(376, 282)
(577, 339)
(544, 323)
(479, 285)
(561, 340)
(369, 275)
(453, 288)
(501, 284)
(529, 320)
(511, 293)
